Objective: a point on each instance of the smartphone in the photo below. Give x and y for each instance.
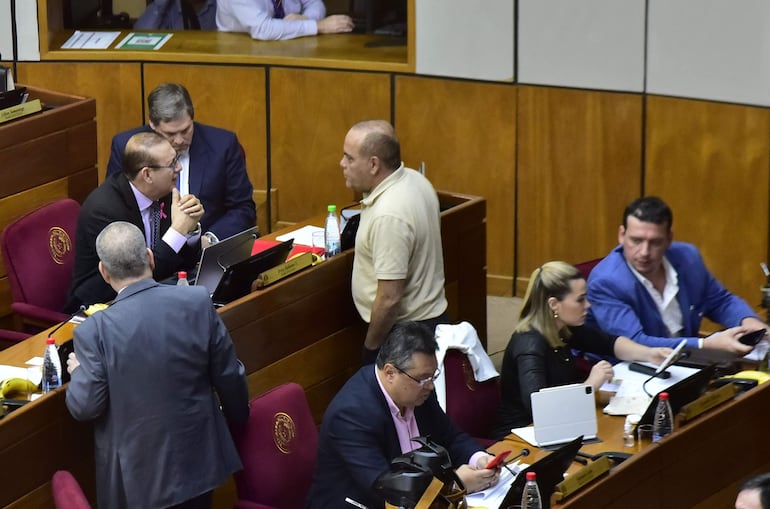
(498, 460)
(753, 337)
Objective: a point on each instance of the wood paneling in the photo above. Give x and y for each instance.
(310, 113)
(230, 97)
(465, 133)
(710, 162)
(116, 88)
(579, 164)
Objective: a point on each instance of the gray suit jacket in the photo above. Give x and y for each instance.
(154, 368)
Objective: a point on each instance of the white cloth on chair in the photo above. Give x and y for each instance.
(463, 337)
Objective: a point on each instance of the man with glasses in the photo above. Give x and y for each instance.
(213, 167)
(145, 195)
(374, 416)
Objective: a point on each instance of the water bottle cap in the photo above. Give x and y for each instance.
(182, 274)
(50, 341)
(331, 208)
(663, 396)
(531, 476)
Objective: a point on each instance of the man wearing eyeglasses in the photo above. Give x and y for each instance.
(213, 167)
(145, 195)
(374, 416)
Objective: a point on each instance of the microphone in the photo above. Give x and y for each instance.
(524, 452)
(671, 359)
(62, 324)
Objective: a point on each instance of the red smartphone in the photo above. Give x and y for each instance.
(498, 460)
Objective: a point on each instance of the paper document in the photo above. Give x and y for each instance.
(90, 40)
(630, 397)
(302, 236)
(493, 497)
(143, 41)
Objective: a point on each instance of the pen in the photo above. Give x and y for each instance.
(354, 503)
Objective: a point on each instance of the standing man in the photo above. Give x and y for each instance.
(656, 291)
(178, 15)
(213, 166)
(398, 269)
(754, 493)
(376, 413)
(272, 20)
(151, 371)
(144, 195)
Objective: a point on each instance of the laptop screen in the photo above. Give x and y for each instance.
(681, 393)
(217, 258)
(550, 472)
(237, 279)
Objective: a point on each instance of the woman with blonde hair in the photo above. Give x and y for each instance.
(539, 353)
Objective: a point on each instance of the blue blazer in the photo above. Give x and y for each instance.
(621, 305)
(217, 177)
(358, 441)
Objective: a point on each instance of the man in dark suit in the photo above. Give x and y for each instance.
(371, 420)
(151, 371)
(151, 169)
(213, 166)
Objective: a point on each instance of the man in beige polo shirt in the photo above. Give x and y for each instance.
(398, 271)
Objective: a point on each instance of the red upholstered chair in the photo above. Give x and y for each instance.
(39, 255)
(470, 404)
(585, 268)
(278, 449)
(67, 493)
(11, 337)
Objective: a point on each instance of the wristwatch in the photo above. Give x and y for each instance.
(196, 231)
(210, 237)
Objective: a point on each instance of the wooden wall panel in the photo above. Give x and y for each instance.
(466, 135)
(709, 162)
(579, 164)
(230, 97)
(310, 113)
(116, 88)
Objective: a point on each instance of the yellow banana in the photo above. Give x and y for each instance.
(93, 308)
(15, 387)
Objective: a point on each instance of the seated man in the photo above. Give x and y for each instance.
(371, 420)
(213, 166)
(656, 291)
(272, 20)
(144, 195)
(179, 15)
(754, 493)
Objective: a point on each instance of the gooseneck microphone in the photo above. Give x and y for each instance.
(524, 452)
(62, 324)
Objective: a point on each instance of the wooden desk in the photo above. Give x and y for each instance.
(303, 329)
(701, 465)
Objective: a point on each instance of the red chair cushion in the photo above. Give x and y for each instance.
(278, 449)
(39, 254)
(470, 404)
(67, 493)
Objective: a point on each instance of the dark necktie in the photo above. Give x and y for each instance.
(155, 223)
(278, 8)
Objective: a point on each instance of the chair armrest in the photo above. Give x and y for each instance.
(38, 315)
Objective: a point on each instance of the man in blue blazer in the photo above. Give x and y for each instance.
(158, 375)
(371, 420)
(213, 166)
(656, 291)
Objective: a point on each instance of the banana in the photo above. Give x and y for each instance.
(16, 386)
(93, 308)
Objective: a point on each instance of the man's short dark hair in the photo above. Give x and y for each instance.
(168, 101)
(760, 482)
(649, 209)
(137, 155)
(381, 141)
(404, 340)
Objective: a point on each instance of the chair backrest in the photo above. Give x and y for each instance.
(586, 267)
(470, 404)
(39, 254)
(67, 493)
(278, 449)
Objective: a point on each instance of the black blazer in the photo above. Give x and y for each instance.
(114, 201)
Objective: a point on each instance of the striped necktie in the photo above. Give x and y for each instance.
(155, 223)
(278, 8)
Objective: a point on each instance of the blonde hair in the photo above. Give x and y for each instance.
(552, 279)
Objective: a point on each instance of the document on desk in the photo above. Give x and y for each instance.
(493, 497)
(630, 397)
(302, 236)
(90, 40)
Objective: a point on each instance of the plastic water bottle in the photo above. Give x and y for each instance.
(664, 418)
(51, 366)
(181, 278)
(530, 499)
(332, 233)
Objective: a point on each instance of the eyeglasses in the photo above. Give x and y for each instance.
(424, 381)
(172, 165)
